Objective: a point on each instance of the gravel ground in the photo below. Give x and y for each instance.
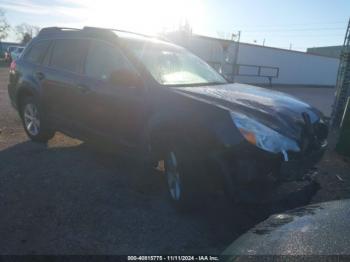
(68, 198)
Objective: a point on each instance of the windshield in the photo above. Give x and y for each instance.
(171, 65)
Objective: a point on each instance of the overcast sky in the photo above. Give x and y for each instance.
(301, 23)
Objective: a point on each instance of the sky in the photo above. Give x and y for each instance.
(295, 24)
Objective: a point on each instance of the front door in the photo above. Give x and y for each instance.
(117, 113)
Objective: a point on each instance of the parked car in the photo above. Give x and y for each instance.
(16, 53)
(157, 101)
(320, 229)
(8, 52)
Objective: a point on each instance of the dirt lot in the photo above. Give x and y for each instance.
(67, 198)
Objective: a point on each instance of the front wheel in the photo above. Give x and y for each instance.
(182, 180)
(172, 173)
(33, 122)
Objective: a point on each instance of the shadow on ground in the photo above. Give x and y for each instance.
(76, 200)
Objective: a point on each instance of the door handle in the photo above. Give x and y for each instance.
(84, 88)
(40, 75)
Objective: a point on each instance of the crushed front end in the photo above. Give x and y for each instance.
(313, 143)
(254, 175)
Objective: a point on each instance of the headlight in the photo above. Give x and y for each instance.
(263, 136)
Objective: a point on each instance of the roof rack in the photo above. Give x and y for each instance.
(91, 29)
(116, 30)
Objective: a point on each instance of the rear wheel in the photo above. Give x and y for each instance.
(33, 122)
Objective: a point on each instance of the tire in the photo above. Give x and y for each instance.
(228, 184)
(182, 179)
(33, 121)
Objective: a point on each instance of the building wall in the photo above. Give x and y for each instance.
(331, 51)
(295, 68)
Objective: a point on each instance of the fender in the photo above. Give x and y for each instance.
(23, 91)
(26, 86)
(159, 123)
(174, 125)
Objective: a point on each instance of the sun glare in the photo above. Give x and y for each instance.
(149, 17)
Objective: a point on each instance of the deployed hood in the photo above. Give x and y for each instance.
(276, 110)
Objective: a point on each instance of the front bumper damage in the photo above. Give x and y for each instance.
(300, 166)
(252, 175)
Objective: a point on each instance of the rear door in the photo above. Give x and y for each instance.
(63, 73)
(117, 113)
(29, 66)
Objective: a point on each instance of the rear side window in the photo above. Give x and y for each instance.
(37, 52)
(68, 54)
(103, 59)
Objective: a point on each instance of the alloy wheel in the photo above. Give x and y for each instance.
(173, 176)
(31, 119)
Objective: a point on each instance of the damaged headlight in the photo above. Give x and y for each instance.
(263, 136)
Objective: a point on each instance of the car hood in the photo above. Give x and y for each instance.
(277, 110)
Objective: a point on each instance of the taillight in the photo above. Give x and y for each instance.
(13, 66)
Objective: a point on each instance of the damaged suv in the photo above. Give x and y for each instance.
(155, 100)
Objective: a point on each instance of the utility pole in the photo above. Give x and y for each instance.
(234, 64)
(264, 42)
(343, 82)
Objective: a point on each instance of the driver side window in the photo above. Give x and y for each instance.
(103, 59)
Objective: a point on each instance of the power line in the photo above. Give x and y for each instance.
(287, 25)
(288, 35)
(295, 30)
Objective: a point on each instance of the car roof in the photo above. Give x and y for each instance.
(96, 32)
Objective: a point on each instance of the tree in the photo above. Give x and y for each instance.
(185, 27)
(26, 38)
(4, 26)
(26, 32)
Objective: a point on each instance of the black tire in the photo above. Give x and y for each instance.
(191, 192)
(43, 133)
(228, 184)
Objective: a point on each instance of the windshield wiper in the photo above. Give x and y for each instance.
(216, 83)
(197, 84)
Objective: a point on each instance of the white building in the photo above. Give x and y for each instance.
(259, 64)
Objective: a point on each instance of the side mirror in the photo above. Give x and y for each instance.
(125, 78)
